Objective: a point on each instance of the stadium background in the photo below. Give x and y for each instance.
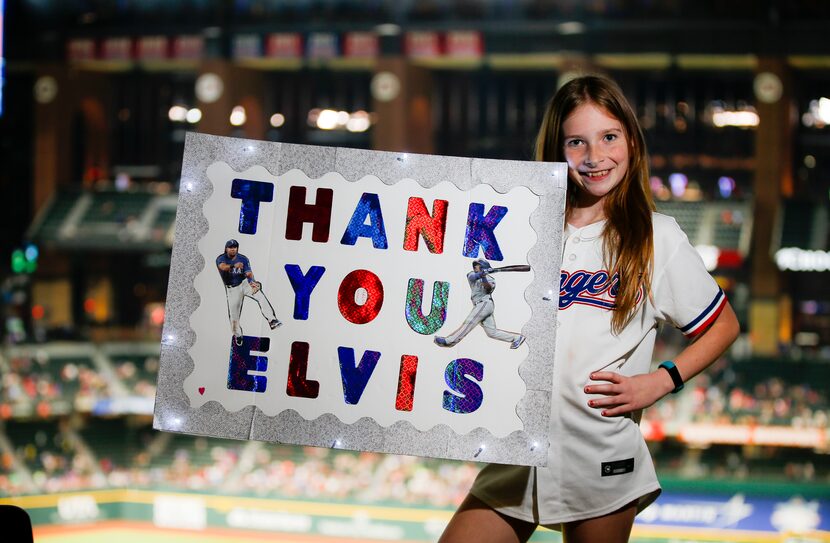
(98, 94)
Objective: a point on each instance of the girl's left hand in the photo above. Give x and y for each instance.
(626, 394)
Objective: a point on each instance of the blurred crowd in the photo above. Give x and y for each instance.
(722, 396)
(32, 379)
(57, 464)
(719, 395)
(48, 452)
(363, 477)
(771, 402)
(275, 471)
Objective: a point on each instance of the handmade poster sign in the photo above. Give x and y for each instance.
(365, 300)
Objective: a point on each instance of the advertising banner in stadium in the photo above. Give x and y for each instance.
(361, 299)
(676, 516)
(739, 512)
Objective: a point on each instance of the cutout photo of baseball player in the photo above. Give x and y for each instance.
(238, 277)
(482, 286)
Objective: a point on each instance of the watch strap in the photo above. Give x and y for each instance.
(674, 373)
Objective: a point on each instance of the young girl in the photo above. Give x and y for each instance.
(625, 268)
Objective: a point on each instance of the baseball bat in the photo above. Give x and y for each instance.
(517, 268)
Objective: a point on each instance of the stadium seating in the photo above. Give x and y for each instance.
(137, 373)
(79, 449)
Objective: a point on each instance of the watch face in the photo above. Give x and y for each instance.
(767, 87)
(385, 86)
(209, 87)
(46, 88)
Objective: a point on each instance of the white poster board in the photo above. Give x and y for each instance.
(329, 297)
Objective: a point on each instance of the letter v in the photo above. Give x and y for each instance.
(356, 376)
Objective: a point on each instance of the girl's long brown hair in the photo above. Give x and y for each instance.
(628, 240)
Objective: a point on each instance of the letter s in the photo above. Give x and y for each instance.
(459, 377)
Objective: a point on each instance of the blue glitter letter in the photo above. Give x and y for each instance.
(369, 204)
(458, 379)
(355, 376)
(480, 231)
(251, 193)
(303, 285)
(242, 362)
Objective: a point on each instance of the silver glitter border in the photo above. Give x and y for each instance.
(526, 447)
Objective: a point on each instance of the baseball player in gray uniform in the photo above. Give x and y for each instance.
(238, 277)
(482, 286)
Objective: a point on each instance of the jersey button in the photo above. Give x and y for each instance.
(571, 257)
(577, 240)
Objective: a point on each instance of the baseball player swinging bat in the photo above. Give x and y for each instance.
(482, 286)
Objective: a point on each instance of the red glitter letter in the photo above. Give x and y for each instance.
(360, 314)
(298, 385)
(419, 221)
(406, 383)
(299, 213)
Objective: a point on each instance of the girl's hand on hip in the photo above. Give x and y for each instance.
(626, 394)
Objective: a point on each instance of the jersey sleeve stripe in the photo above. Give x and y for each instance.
(707, 317)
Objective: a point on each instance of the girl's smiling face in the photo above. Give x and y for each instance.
(596, 150)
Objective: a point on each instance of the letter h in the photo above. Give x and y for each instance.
(299, 213)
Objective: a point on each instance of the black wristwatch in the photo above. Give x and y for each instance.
(669, 366)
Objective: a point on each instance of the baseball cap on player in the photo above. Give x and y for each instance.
(231, 243)
(481, 262)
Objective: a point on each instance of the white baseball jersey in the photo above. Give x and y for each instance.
(598, 464)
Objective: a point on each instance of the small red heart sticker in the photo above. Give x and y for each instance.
(202, 390)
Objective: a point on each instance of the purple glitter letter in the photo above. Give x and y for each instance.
(469, 395)
(480, 231)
